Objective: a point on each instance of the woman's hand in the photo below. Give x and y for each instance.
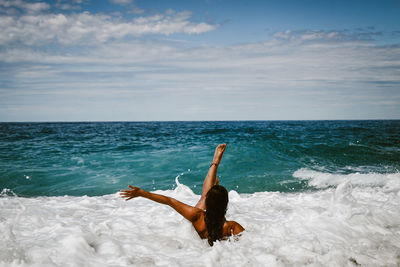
(132, 193)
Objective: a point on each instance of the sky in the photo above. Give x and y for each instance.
(158, 60)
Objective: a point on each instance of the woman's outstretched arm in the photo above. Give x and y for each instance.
(187, 211)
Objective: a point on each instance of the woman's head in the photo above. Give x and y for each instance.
(216, 205)
(217, 199)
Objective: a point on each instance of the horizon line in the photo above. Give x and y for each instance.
(97, 121)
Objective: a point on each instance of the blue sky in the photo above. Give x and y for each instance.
(86, 60)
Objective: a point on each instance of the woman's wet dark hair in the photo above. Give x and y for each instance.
(216, 205)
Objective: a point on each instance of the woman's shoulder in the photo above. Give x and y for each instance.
(199, 223)
(232, 227)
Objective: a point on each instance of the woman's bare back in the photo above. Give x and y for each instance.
(229, 228)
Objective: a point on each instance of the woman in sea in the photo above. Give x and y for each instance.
(208, 216)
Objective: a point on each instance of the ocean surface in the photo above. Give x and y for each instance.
(316, 193)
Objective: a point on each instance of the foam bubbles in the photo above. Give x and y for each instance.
(341, 226)
(78, 160)
(390, 181)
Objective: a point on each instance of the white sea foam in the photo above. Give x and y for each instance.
(79, 160)
(342, 226)
(389, 181)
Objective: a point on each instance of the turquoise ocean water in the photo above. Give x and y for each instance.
(98, 158)
(308, 193)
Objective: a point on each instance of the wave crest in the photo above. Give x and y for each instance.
(321, 180)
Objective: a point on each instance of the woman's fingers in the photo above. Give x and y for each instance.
(130, 193)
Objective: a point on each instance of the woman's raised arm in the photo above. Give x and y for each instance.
(187, 211)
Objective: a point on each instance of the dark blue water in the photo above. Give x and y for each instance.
(46, 159)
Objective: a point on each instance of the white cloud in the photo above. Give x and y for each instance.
(26, 6)
(121, 2)
(69, 4)
(284, 35)
(276, 63)
(86, 28)
(328, 36)
(137, 10)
